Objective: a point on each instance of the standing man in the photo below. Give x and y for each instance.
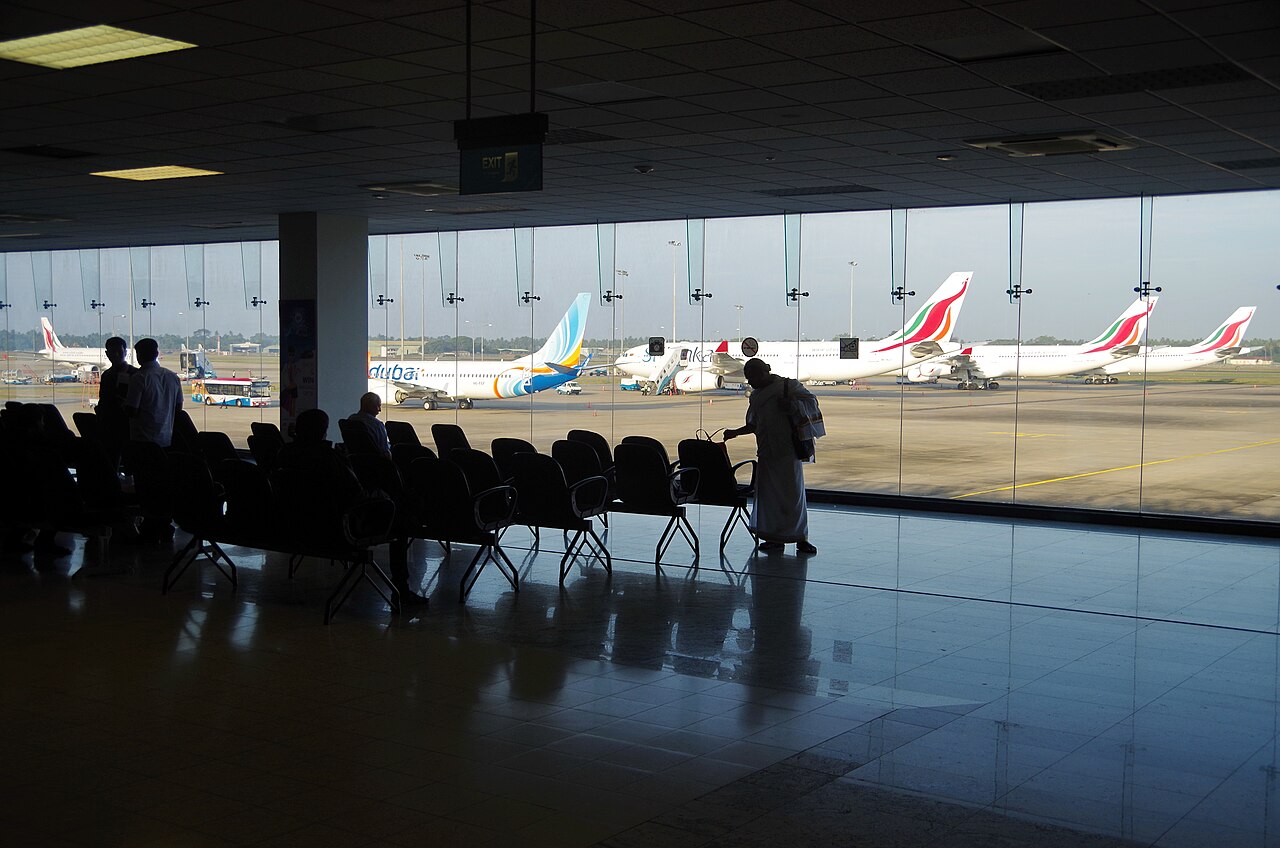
(779, 513)
(112, 387)
(153, 399)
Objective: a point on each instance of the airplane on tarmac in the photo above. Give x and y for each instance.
(695, 367)
(1220, 345)
(55, 351)
(980, 366)
(558, 361)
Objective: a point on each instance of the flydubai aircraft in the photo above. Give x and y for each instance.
(980, 366)
(1222, 344)
(695, 367)
(464, 381)
(54, 350)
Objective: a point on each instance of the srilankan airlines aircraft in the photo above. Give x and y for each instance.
(694, 367)
(1222, 344)
(980, 366)
(558, 361)
(55, 351)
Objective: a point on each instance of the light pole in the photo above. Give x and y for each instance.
(674, 244)
(738, 306)
(852, 265)
(422, 341)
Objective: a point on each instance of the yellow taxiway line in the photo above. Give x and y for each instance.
(1118, 468)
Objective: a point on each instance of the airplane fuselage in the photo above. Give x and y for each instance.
(994, 361)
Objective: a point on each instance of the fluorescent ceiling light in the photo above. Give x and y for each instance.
(86, 46)
(158, 172)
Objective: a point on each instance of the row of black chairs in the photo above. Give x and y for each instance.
(638, 477)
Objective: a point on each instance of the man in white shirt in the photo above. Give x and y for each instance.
(153, 398)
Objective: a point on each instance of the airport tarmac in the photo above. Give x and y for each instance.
(1206, 446)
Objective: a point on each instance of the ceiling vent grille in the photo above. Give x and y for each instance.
(421, 188)
(1250, 164)
(23, 218)
(49, 152)
(569, 135)
(1187, 77)
(1058, 144)
(803, 191)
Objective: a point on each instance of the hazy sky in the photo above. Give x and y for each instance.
(1210, 253)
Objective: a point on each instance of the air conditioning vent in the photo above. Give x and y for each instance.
(423, 188)
(49, 152)
(568, 135)
(1250, 164)
(1164, 78)
(1058, 144)
(808, 190)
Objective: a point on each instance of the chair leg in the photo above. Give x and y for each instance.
(738, 515)
(193, 550)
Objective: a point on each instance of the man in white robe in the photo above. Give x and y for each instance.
(779, 513)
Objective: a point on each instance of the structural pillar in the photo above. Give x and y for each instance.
(324, 353)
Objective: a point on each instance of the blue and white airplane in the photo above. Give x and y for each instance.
(558, 361)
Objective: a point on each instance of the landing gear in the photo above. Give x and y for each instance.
(430, 404)
(466, 403)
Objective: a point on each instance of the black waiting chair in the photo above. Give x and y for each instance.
(482, 473)
(452, 513)
(403, 456)
(581, 461)
(198, 511)
(550, 501)
(653, 443)
(598, 443)
(402, 433)
(647, 486)
(356, 438)
(215, 447)
(504, 448)
(718, 482)
(447, 437)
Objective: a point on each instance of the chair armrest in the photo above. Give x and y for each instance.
(684, 484)
(368, 521)
(494, 507)
(734, 470)
(589, 495)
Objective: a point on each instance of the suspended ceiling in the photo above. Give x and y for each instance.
(734, 108)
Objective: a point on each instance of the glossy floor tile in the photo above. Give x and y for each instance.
(923, 680)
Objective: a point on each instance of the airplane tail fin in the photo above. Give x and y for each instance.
(1125, 330)
(1230, 334)
(935, 321)
(564, 346)
(52, 344)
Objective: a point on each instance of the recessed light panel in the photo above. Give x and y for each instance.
(73, 48)
(158, 172)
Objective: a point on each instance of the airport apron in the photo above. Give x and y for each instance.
(779, 512)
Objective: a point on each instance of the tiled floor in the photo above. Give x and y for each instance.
(922, 681)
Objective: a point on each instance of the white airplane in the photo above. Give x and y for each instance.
(55, 351)
(695, 367)
(558, 361)
(1220, 345)
(980, 366)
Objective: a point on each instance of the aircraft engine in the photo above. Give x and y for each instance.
(928, 371)
(698, 381)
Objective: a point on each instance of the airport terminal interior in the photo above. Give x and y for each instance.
(1021, 252)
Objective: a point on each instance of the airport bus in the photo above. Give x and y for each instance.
(231, 391)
